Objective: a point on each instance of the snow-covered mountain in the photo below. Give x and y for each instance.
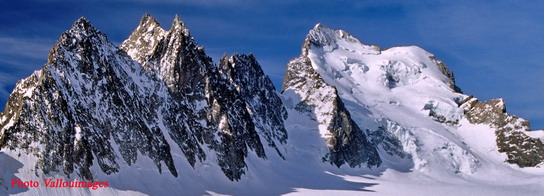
(404, 99)
(93, 102)
(351, 117)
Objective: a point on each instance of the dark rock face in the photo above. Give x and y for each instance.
(347, 143)
(259, 93)
(68, 113)
(444, 69)
(521, 149)
(92, 98)
(192, 78)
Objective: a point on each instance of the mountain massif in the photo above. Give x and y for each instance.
(158, 107)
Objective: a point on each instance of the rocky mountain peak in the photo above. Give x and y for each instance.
(321, 36)
(81, 42)
(144, 39)
(177, 21)
(81, 31)
(82, 28)
(237, 60)
(148, 20)
(82, 23)
(178, 26)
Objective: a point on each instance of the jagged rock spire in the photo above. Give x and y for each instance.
(192, 77)
(177, 21)
(178, 26)
(82, 23)
(147, 19)
(259, 93)
(83, 39)
(143, 41)
(82, 28)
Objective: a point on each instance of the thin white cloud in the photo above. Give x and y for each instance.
(6, 80)
(28, 48)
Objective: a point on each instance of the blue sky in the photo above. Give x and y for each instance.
(494, 47)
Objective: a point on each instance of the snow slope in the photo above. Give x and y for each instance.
(302, 173)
